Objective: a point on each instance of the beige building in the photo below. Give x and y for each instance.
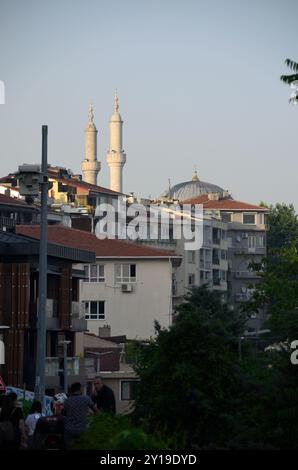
(128, 288)
(104, 357)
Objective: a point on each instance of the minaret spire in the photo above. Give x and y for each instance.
(116, 157)
(116, 103)
(90, 166)
(90, 114)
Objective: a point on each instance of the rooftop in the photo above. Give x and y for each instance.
(20, 245)
(107, 248)
(225, 204)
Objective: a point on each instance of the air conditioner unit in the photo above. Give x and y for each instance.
(126, 288)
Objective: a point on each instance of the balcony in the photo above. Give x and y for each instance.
(52, 320)
(246, 275)
(242, 297)
(250, 251)
(7, 223)
(54, 366)
(78, 322)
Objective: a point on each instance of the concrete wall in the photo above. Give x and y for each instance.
(133, 314)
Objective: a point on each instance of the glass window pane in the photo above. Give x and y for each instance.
(101, 272)
(125, 270)
(125, 390)
(133, 270)
(93, 307)
(249, 218)
(93, 273)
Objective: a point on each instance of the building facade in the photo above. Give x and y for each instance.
(19, 271)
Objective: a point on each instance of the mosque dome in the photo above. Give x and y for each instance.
(191, 189)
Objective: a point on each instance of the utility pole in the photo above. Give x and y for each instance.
(43, 268)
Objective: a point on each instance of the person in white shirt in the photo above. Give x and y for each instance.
(31, 420)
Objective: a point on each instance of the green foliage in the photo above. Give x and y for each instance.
(196, 393)
(26, 406)
(189, 375)
(283, 227)
(107, 432)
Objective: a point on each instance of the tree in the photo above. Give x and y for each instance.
(277, 292)
(189, 380)
(283, 227)
(291, 78)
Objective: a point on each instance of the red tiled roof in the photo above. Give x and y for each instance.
(225, 204)
(106, 248)
(13, 200)
(70, 182)
(83, 185)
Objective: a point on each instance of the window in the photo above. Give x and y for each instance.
(223, 254)
(94, 273)
(129, 389)
(191, 256)
(223, 275)
(260, 241)
(95, 310)
(249, 219)
(251, 241)
(191, 279)
(125, 273)
(226, 216)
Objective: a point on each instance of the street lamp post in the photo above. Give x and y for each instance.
(65, 344)
(42, 297)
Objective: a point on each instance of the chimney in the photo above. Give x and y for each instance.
(104, 331)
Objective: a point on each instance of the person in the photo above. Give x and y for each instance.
(49, 430)
(103, 396)
(76, 410)
(12, 426)
(31, 420)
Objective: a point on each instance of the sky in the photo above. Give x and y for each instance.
(198, 86)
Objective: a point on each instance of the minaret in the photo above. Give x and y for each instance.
(90, 166)
(116, 157)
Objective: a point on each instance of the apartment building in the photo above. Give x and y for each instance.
(246, 239)
(128, 288)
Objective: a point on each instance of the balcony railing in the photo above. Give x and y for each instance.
(52, 320)
(245, 274)
(242, 297)
(78, 310)
(52, 368)
(78, 321)
(7, 222)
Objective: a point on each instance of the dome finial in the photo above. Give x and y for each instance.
(90, 114)
(195, 175)
(116, 104)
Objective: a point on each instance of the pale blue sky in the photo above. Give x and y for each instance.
(198, 84)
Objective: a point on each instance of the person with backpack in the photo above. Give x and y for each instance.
(12, 426)
(31, 420)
